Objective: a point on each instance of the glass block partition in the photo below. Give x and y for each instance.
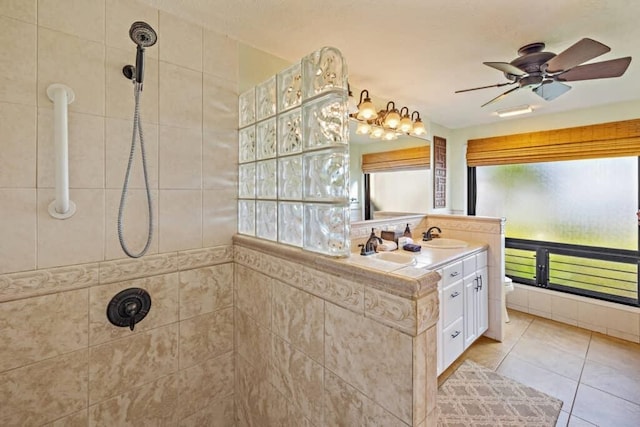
(294, 156)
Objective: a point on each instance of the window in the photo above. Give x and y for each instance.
(571, 225)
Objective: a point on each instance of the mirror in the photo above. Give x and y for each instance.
(394, 193)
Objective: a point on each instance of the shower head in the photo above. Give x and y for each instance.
(142, 34)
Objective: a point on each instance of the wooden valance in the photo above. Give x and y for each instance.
(405, 159)
(615, 139)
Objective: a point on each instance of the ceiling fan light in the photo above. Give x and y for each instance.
(363, 128)
(515, 111)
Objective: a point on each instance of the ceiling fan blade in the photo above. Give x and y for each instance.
(550, 90)
(506, 68)
(599, 70)
(499, 97)
(485, 87)
(580, 52)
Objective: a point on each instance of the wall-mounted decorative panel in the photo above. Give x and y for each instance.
(294, 156)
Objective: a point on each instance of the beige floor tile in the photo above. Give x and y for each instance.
(625, 385)
(616, 353)
(547, 355)
(541, 379)
(604, 409)
(561, 336)
(579, 422)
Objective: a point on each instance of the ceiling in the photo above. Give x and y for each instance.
(418, 52)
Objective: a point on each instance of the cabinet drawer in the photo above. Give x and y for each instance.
(481, 260)
(452, 303)
(451, 273)
(469, 265)
(453, 342)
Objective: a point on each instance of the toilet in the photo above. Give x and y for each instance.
(508, 288)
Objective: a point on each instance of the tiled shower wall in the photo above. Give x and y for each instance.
(59, 361)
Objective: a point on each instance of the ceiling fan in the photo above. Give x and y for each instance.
(545, 72)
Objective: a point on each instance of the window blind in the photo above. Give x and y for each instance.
(404, 159)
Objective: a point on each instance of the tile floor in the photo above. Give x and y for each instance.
(597, 377)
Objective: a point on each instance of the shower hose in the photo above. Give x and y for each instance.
(137, 131)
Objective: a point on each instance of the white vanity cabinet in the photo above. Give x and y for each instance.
(463, 306)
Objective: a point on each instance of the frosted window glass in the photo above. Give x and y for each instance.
(582, 202)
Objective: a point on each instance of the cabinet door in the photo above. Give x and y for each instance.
(452, 342)
(483, 301)
(470, 301)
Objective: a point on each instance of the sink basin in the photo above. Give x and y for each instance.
(395, 257)
(440, 243)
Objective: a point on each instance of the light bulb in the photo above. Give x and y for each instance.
(389, 135)
(392, 119)
(376, 132)
(366, 110)
(418, 128)
(406, 125)
(363, 128)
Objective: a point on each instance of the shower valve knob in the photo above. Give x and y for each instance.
(129, 307)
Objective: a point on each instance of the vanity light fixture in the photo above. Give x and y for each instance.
(515, 111)
(366, 109)
(385, 124)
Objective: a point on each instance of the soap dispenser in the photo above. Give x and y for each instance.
(407, 231)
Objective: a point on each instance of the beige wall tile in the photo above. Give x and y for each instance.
(74, 62)
(39, 328)
(343, 404)
(205, 290)
(17, 60)
(206, 336)
(204, 385)
(163, 290)
(81, 236)
(623, 321)
(118, 147)
(120, 100)
(353, 352)
(35, 283)
(399, 313)
(120, 15)
(180, 220)
(376, 416)
(220, 56)
(79, 419)
(298, 317)
(180, 158)
(220, 103)
(180, 96)
(253, 294)
(151, 404)
(540, 302)
(205, 257)
(283, 413)
(219, 216)
(127, 269)
(252, 391)
(346, 293)
(45, 391)
(181, 42)
(24, 10)
(84, 19)
(18, 230)
(298, 377)
(134, 220)
(252, 341)
(131, 362)
(219, 160)
(86, 150)
(219, 413)
(18, 140)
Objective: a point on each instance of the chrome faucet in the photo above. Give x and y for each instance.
(369, 248)
(426, 236)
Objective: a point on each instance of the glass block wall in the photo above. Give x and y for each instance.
(294, 156)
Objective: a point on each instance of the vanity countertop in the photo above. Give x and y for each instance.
(427, 260)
